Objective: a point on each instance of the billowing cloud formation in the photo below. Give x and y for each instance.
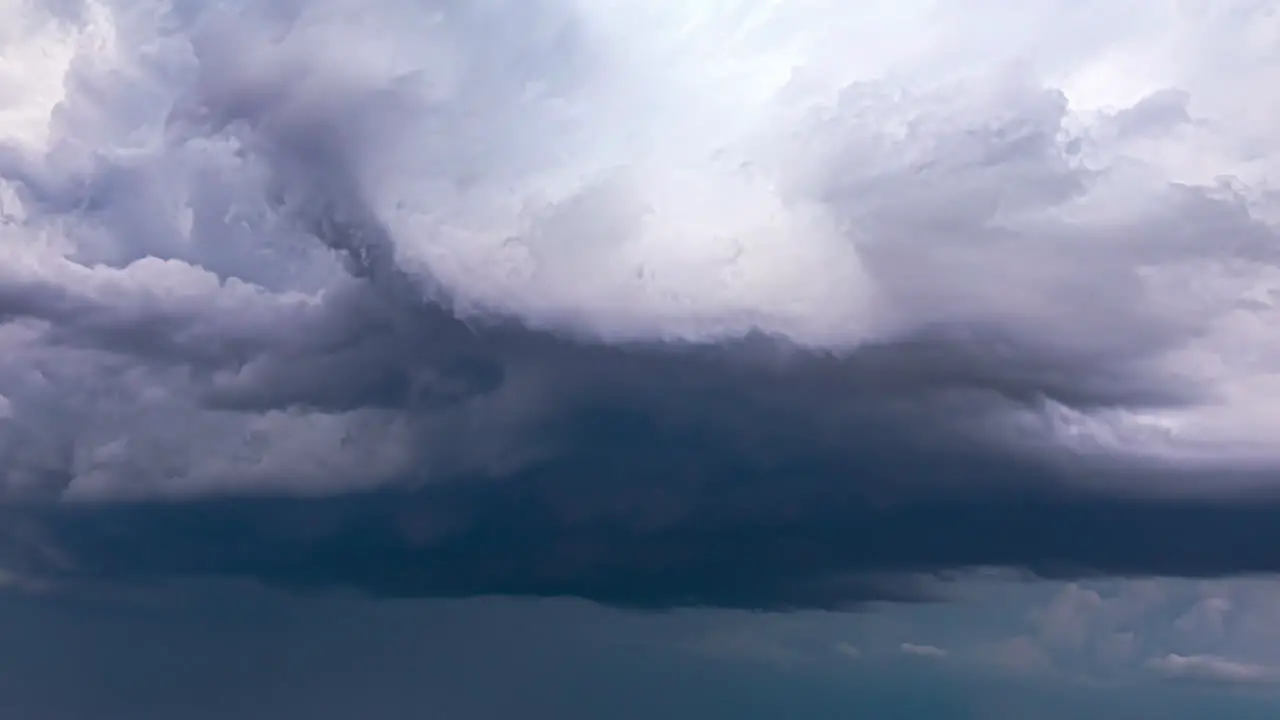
(611, 290)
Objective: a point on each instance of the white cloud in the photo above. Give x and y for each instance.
(1082, 620)
(1210, 668)
(1068, 618)
(1091, 192)
(1188, 627)
(925, 651)
(1206, 619)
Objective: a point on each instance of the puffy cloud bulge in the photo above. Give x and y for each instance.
(731, 301)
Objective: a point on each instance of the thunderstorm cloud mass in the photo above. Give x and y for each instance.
(733, 303)
(724, 304)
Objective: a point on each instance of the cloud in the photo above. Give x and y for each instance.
(1067, 619)
(925, 651)
(1111, 628)
(848, 650)
(1021, 654)
(566, 298)
(1206, 619)
(1080, 620)
(1209, 668)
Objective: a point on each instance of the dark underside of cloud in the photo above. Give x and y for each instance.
(734, 540)
(658, 475)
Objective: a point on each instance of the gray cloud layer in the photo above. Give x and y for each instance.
(565, 298)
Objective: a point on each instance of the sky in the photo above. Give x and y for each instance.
(593, 358)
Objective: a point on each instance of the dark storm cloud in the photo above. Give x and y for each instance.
(539, 298)
(652, 540)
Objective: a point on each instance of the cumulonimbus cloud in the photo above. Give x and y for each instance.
(616, 278)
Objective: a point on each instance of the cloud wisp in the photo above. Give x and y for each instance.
(923, 651)
(561, 297)
(1211, 669)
